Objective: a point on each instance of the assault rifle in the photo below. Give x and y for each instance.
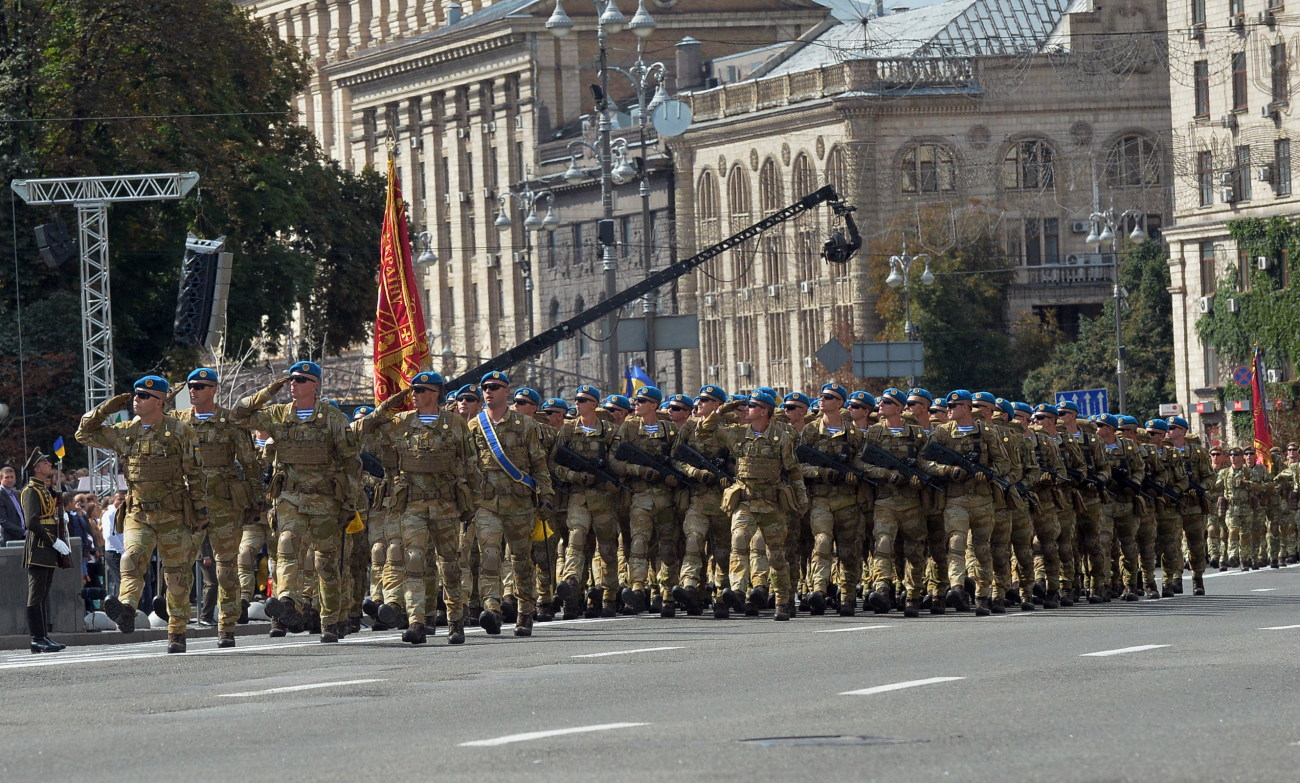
(874, 455)
(820, 459)
(1166, 491)
(1089, 480)
(937, 452)
(698, 459)
(1124, 480)
(572, 460)
(629, 453)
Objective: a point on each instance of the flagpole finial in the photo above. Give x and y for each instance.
(390, 144)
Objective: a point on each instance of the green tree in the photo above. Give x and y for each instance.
(1089, 361)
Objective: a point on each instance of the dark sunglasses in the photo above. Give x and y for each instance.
(585, 399)
(914, 403)
(421, 389)
(142, 395)
(857, 407)
(493, 386)
(831, 397)
(301, 379)
(524, 402)
(679, 409)
(792, 407)
(755, 405)
(198, 386)
(643, 401)
(1042, 416)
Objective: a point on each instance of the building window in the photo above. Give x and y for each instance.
(1028, 166)
(1244, 263)
(836, 174)
(1237, 8)
(1198, 12)
(1282, 167)
(778, 337)
(1243, 173)
(584, 345)
(1239, 85)
(551, 253)
(929, 168)
(769, 188)
(1133, 161)
(740, 205)
(553, 320)
(1207, 269)
(578, 249)
(1205, 177)
(709, 231)
(1279, 73)
(1211, 377)
(1042, 241)
(1201, 87)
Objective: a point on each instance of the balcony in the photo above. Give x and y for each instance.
(1078, 269)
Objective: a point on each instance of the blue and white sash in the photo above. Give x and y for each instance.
(490, 433)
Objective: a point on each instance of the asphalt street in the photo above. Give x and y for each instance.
(1189, 689)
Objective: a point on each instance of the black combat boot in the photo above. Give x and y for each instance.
(999, 606)
(937, 605)
(329, 634)
(160, 608)
(848, 607)
(983, 607)
(956, 600)
(524, 625)
(120, 613)
(243, 612)
(567, 591)
(685, 596)
(595, 605)
(225, 638)
(1066, 599)
(292, 619)
(509, 609)
(732, 600)
(668, 609)
(656, 603)
(631, 601)
(784, 612)
(879, 601)
(175, 643)
(455, 632)
(415, 633)
(1130, 594)
(1198, 585)
(1013, 596)
(912, 608)
(277, 629)
(817, 603)
(490, 622)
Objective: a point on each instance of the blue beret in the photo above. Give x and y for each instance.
(1178, 421)
(1127, 421)
(206, 374)
(1008, 407)
(495, 376)
(153, 383)
(1157, 424)
(1066, 405)
(983, 396)
(762, 398)
(331, 401)
(836, 389)
(736, 398)
(800, 398)
(306, 368)
(588, 391)
(940, 403)
(1107, 420)
(362, 410)
(1023, 407)
(680, 399)
(921, 394)
(427, 379)
(1046, 408)
(470, 390)
(712, 392)
(894, 395)
(768, 390)
(555, 404)
(618, 401)
(863, 397)
(959, 395)
(531, 395)
(650, 393)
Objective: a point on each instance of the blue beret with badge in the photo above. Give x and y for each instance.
(711, 392)
(836, 389)
(649, 394)
(760, 397)
(1107, 420)
(799, 398)
(920, 394)
(470, 390)
(680, 399)
(894, 395)
(1046, 409)
(1008, 407)
(618, 401)
(1023, 407)
(362, 410)
(1067, 405)
(555, 404)
(203, 375)
(155, 384)
(959, 395)
(1157, 424)
(496, 376)
(1178, 421)
(768, 390)
(427, 379)
(588, 391)
(306, 368)
(863, 398)
(525, 394)
(983, 396)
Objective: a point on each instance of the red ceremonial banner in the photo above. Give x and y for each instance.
(401, 345)
(1259, 410)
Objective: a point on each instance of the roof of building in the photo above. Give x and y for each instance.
(955, 28)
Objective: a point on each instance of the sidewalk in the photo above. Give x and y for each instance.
(87, 638)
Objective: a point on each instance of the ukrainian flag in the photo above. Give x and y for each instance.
(59, 451)
(634, 379)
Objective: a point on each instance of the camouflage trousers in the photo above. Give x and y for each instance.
(591, 512)
(895, 517)
(387, 557)
(1216, 529)
(968, 524)
(652, 513)
(1095, 533)
(1067, 543)
(708, 533)
(1147, 534)
(1127, 569)
(1241, 533)
(252, 537)
(1169, 543)
(1022, 546)
(1193, 523)
(490, 527)
(431, 529)
(936, 568)
(357, 567)
(1000, 549)
(307, 527)
(174, 539)
(225, 530)
(753, 516)
(836, 523)
(1047, 560)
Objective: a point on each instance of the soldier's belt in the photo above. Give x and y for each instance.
(317, 487)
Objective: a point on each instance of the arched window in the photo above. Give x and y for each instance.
(710, 229)
(769, 188)
(1028, 166)
(928, 168)
(1133, 161)
(739, 204)
(802, 178)
(836, 174)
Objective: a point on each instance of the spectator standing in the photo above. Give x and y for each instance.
(112, 546)
(12, 525)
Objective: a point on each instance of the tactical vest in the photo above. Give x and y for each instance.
(147, 458)
(387, 456)
(425, 449)
(303, 443)
(759, 459)
(594, 446)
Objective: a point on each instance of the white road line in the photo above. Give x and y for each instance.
(1280, 628)
(1263, 589)
(898, 686)
(1123, 650)
(855, 628)
(533, 735)
(626, 652)
(292, 688)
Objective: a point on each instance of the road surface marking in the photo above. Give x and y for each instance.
(898, 686)
(292, 688)
(1280, 628)
(855, 628)
(534, 735)
(627, 652)
(1263, 589)
(1123, 650)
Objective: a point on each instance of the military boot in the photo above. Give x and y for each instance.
(1051, 601)
(685, 596)
(631, 601)
(160, 608)
(656, 603)
(721, 611)
(175, 643)
(509, 609)
(354, 624)
(1151, 592)
(668, 609)
(524, 625)
(329, 634)
(225, 638)
(1233, 562)
(1198, 585)
(1013, 596)
(1130, 594)
(733, 600)
(595, 599)
(490, 622)
(606, 609)
(983, 607)
(751, 609)
(879, 601)
(243, 612)
(956, 600)
(277, 629)
(1094, 597)
(370, 607)
(1178, 584)
(848, 607)
(1065, 598)
(1026, 604)
(784, 612)
(36, 626)
(817, 603)
(440, 618)
(937, 605)
(311, 617)
(1040, 591)
(1214, 562)
(1167, 590)
(415, 633)
(455, 632)
(1274, 564)
(758, 597)
(120, 613)
(999, 606)
(912, 608)
(567, 591)
(291, 618)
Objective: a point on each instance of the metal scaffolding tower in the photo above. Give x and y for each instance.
(91, 197)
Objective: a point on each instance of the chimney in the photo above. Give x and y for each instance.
(880, 8)
(690, 64)
(453, 14)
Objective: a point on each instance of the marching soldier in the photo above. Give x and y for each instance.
(705, 525)
(232, 482)
(166, 500)
(44, 548)
(590, 509)
(1147, 526)
(1236, 488)
(1216, 533)
(313, 485)
(517, 480)
(930, 413)
(1082, 533)
(433, 492)
(1126, 463)
(1193, 471)
(257, 529)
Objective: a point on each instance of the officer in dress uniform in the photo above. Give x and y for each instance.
(43, 549)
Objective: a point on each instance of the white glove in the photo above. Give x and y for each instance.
(61, 547)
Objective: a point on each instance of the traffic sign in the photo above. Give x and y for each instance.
(1090, 401)
(833, 354)
(905, 359)
(1242, 376)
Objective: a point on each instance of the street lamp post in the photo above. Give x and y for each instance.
(900, 273)
(527, 199)
(1104, 225)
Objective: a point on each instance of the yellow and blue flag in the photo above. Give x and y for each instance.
(59, 451)
(634, 379)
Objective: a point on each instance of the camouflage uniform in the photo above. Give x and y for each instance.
(1237, 489)
(652, 511)
(835, 515)
(590, 510)
(1124, 510)
(1053, 500)
(1169, 520)
(898, 511)
(313, 486)
(969, 508)
(707, 528)
(1085, 535)
(1192, 463)
(165, 506)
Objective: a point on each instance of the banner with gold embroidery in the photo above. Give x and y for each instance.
(401, 345)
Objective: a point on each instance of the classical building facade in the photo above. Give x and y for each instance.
(1230, 85)
(478, 99)
(1020, 117)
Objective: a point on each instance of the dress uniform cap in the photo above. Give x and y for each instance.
(1067, 405)
(1236, 452)
(799, 398)
(1178, 421)
(959, 395)
(650, 394)
(203, 374)
(1157, 424)
(35, 458)
(712, 392)
(863, 397)
(428, 379)
(920, 394)
(587, 390)
(305, 368)
(896, 395)
(680, 399)
(941, 404)
(495, 376)
(153, 383)
(1107, 420)
(837, 390)
(555, 404)
(763, 398)
(983, 396)
(470, 390)
(528, 395)
(1127, 421)
(618, 401)
(768, 390)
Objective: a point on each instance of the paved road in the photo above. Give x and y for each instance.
(1189, 689)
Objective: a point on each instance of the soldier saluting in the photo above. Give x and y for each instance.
(166, 502)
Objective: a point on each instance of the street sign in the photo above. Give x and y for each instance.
(1090, 401)
(903, 359)
(833, 354)
(1168, 409)
(671, 333)
(1242, 376)
(1239, 406)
